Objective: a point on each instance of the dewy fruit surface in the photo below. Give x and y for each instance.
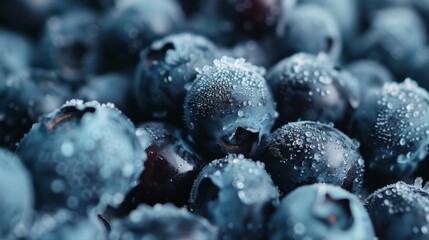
(214, 119)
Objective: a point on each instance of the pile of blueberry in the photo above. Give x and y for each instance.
(214, 119)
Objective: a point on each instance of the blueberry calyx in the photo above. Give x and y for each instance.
(335, 213)
(68, 113)
(241, 140)
(329, 43)
(158, 54)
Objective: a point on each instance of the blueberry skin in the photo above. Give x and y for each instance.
(311, 29)
(66, 225)
(166, 71)
(229, 107)
(171, 167)
(235, 194)
(32, 15)
(305, 152)
(321, 211)
(422, 7)
(255, 18)
(87, 153)
(25, 96)
(16, 189)
(362, 76)
(108, 88)
(68, 44)
(394, 119)
(370, 8)
(345, 13)
(395, 36)
(307, 87)
(371, 74)
(16, 53)
(399, 211)
(131, 26)
(191, 7)
(162, 222)
(420, 68)
(254, 52)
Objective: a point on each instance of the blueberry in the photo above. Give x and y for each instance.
(87, 154)
(162, 222)
(24, 97)
(419, 69)
(68, 44)
(100, 5)
(17, 194)
(52, 90)
(396, 35)
(307, 87)
(370, 8)
(65, 225)
(371, 74)
(345, 13)
(111, 87)
(400, 211)
(170, 169)
(254, 52)
(166, 71)
(16, 53)
(229, 107)
(305, 152)
(321, 211)
(312, 29)
(237, 195)
(362, 76)
(131, 26)
(191, 7)
(253, 17)
(422, 7)
(392, 128)
(32, 14)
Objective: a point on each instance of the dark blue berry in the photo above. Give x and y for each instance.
(24, 97)
(345, 13)
(16, 53)
(65, 225)
(32, 14)
(68, 44)
(396, 35)
(312, 29)
(131, 26)
(171, 167)
(420, 68)
(370, 73)
(237, 195)
(321, 211)
(422, 7)
(87, 154)
(301, 153)
(392, 128)
(400, 211)
(362, 76)
(16, 190)
(254, 52)
(370, 8)
(253, 17)
(191, 7)
(166, 71)
(307, 87)
(229, 107)
(108, 88)
(162, 222)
